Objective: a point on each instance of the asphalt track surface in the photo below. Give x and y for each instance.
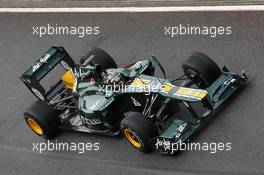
(127, 37)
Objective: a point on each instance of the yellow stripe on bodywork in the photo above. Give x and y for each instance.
(200, 95)
(183, 91)
(192, 93)
(140, 83)
(167, 88)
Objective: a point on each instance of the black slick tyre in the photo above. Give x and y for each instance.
(42, 119)
(201, 69)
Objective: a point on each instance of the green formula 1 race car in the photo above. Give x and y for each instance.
(96, 96)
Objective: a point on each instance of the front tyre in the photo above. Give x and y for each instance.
(138, 130)
(201, 69)
(42, 119)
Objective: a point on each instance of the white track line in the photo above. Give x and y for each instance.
(140, 9)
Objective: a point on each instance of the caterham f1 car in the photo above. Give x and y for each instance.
(96, 96)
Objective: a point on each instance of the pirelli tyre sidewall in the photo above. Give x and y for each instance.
(138, 131)
(42, 119)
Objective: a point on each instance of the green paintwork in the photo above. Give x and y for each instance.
(220, 90)
(90, 100)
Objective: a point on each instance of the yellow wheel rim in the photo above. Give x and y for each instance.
(34, 126)
(131, 137)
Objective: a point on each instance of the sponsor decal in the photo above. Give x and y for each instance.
(230, 80)
(42, 60)
(90, 121)
(65, 65)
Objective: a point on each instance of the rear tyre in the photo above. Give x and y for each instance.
(201, 69)
(138, 130)
(101, 57)
(42, 119)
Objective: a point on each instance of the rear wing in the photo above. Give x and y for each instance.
(48, 61)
